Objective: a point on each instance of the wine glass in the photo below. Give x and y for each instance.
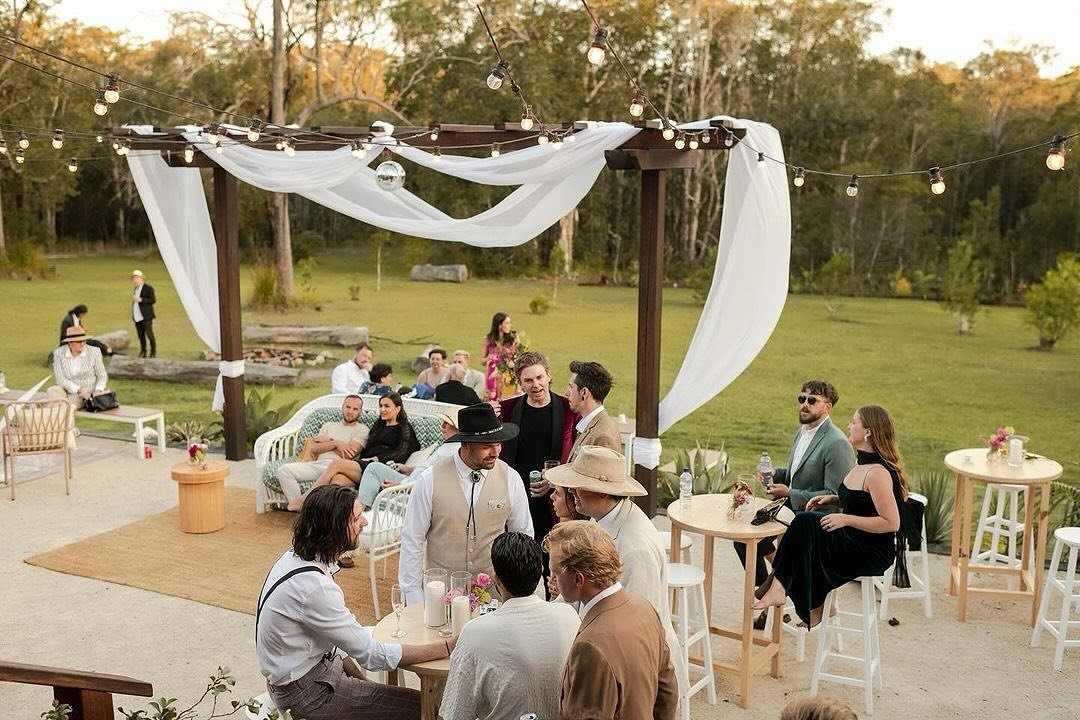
(397, 600)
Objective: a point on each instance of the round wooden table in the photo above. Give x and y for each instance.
(972, 466)
(202, 495)
(433, 673)
(708, 515)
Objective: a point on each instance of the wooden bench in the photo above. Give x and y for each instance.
(130, 414)
(89, 694)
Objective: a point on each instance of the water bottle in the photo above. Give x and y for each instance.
(686, 488)
(765, 467)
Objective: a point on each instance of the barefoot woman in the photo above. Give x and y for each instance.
(822, 552)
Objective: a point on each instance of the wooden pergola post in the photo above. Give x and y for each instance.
(226, 233)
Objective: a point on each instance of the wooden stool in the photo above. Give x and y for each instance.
(867, 628)
(685, 544)
(920, 584)
(692, 626)
(1069, 586)
(998, 525)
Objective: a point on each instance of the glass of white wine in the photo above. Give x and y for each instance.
(397, 600)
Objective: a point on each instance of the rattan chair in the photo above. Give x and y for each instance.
(35, 427)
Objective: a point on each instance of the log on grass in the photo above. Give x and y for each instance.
(199, 371)
(116, 340)
(439, 273)
(306, 335)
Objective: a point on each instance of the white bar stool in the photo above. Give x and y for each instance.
(688, 614)
(999, 525)
(799, 631)
(1069, 586)
(920, 583)
(832, 627)
(685, 543)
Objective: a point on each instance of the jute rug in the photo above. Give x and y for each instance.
(224, 568)
(88, 450)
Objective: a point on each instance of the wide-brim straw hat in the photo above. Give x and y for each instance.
(478, 424)
(596, 469)
(74, 334)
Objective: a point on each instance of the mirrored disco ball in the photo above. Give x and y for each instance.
(390, 175)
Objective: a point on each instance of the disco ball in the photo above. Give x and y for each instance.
(390, 175)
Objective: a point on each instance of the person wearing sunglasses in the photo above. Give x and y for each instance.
(820, 457)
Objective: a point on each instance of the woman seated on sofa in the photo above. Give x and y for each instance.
(391, 439)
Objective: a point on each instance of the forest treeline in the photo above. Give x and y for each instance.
(801, 65)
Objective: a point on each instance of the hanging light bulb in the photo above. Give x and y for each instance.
(99, 138)
(289, 146)
(1055, 159)
(20, 157)
(101, 106)
(3, 146)
(58, 139)
(693, 142)
(112, 89)
(436, 154)
(210, 134)
(434, 134)
(279, 144)
(526, 118)
(357, 150)
(729, 138)
(24, 142)
(498, 74)
(800, 177)
(680, 142)
(496, 150)
(706, 137)
(219, 149)
(73, 164)
(542, 139)
(571, 137)
(598, 47)
(116, 145)
(761, 158)
(556, 141)
(254, 130)
(937, 182)
(669, 132)
(637, 104)
(125, 147)
(367, 144)
(189, 153)
(853, 186)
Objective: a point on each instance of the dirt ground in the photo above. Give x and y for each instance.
(932, 668)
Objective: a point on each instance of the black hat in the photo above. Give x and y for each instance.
(478, 424)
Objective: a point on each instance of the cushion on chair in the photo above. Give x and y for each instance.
(43, 427)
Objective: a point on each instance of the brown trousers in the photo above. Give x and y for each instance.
(327, 693)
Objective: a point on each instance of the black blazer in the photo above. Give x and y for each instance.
(456, 392)
(562, 428)
(68, 321)
(146, 302)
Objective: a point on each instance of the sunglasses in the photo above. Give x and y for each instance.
(810, 400)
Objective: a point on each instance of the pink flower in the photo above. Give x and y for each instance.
(483, 579)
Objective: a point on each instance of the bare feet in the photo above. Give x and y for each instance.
(776, 595)
(295, 504)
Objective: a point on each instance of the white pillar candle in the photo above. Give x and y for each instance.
(434, 610)
(460, 612)
(1016, 452)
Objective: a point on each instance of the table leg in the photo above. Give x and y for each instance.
(1029, 541)
(954, 555)
(1040, 549)
(140, 440)
(676, 543)
(777, 627)
(429, 706)
(708, 568)
(965, 534)
(747, 629)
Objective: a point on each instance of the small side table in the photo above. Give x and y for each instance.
(202, 495)
(433, 673)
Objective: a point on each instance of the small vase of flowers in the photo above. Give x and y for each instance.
(997, 443)
(742, 495)
(197, 455)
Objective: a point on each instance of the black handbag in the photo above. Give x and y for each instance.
(769, 512)
(101, 402)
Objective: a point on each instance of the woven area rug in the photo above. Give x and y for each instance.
(224, 568)
(88, 450)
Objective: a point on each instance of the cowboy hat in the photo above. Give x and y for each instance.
(74, 334)
(596, 469)
(478, 424)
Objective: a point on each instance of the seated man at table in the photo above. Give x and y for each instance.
(510, 661)
(344, 439)
(308, 645)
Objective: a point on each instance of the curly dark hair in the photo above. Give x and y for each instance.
(822, 388)
(321, 531)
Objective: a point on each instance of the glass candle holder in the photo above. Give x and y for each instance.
(435, 581)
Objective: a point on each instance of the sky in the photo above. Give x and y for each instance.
(946, 30)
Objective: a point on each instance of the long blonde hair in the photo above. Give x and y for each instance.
(882, 439)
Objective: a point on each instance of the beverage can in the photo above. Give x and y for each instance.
(148, 452)
(534, 478)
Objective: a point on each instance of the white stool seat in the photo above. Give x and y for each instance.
(920, 581)
(832, 627)
(685, 543)
(692, 626)
(1069, 587)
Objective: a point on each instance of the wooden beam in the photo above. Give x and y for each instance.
(226, 232)
(666, 159)
(650, 303)
(89, 694)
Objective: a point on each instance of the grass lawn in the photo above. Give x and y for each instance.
(943, 390)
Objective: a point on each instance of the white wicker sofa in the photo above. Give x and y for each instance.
(281, 445)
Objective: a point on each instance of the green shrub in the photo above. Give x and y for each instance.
(23, 259)
(1053, 306)
(259, 417)
(707, 480)
(264, 287)
(960, 287)
(305, 244)
(539, 305)
(189, 431)
(308, 292)
(937, 486)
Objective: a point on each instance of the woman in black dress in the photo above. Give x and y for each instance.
(821, 552)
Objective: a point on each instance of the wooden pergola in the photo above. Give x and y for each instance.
(647, 153)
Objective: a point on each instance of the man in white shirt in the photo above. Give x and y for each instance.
(309, 646)
(510, 662)
(462, 503)
(344, 438)
(378, 475)
(348, 376)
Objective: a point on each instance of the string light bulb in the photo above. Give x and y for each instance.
(800, 177)
(637, 104)
(853, 186)
(571, 137)
(694, 143)
(706, 137)
(112, 89)
(289, 146)
(357, 150)
(99, 138)
(1055, 158)
(498, 74)
(434, 134)
(496, 150)
(436, 154)
(3, 146)
(20, 156)
(101, 106)
(937, 182)
(58, 139)
(125, 147)
(542, 139)
(556, 142)
(729, 138)
(254, 130)
(189, 153)
(210, 134)
(680, 142)
(526, 118)
(367, 144)
(598, 47)
(115, 145)
(279, 144)
(669, 132)
(24, 142)
(219, 149)
(73, 164)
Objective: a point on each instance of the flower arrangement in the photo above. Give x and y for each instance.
(197, 454)
(741, 495)
(479, 592)
(998, 442)
(506, 355)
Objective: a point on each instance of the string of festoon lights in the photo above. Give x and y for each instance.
(107, 92)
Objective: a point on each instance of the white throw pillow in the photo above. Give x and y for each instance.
(421, 455)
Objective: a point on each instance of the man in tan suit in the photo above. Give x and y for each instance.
(590, 383)
(618, 666)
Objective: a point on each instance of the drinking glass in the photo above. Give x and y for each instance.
(397, 600)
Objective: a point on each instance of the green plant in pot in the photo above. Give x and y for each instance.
(709, 469)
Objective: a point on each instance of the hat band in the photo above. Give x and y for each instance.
(483, 432)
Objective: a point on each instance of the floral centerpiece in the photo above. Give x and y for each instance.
(479, 593)
(741, 496)
(197, 454)
(997, 443)
(506, 355)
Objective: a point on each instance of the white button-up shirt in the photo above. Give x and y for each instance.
(418, 520)
(805, 437)
(584, 422)
(136, 311)
(606, 592)
(304, 618)
(347, 378)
